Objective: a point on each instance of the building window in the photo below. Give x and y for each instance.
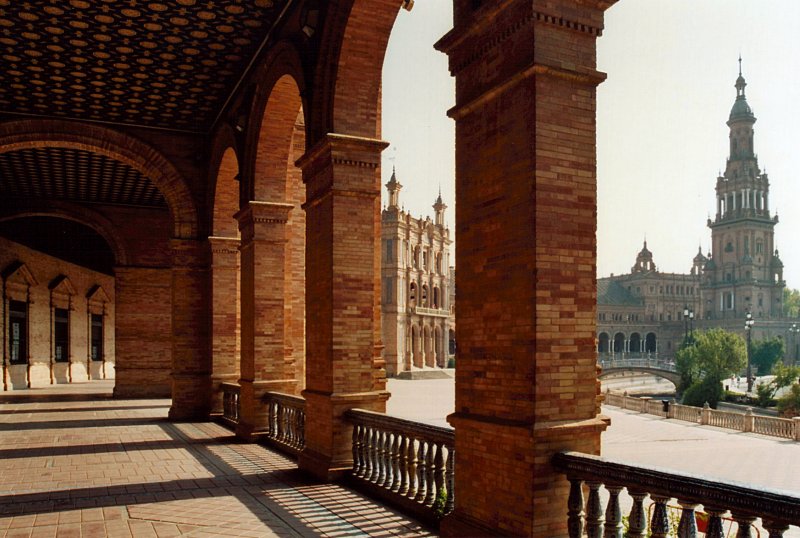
(425, 295)
(412, 294)
(61, 335)
(18, 332)
(388, 296)
(425, 260)
(389, 248)
(435, 297)
(97, 337)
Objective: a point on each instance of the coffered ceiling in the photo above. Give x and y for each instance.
(171, 64)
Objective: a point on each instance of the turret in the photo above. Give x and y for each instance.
(439, 208)
(394, 186)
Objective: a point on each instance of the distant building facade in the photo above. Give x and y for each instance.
(649, 312)
(417, 289)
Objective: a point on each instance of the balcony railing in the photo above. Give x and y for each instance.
(438, 312)
(786, 428)
(230, 404)
(635, 360)
(406, 463)
(287, 420)
(777, 510)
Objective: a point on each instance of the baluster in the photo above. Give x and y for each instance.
(412, 469)
(271, 418)
(744, 522)
(362, 452)
(301, 428)
(575, 511)
(775, 528)
(421, 473)
(450, 480)
(279, 414)
(637, 521)
(613, 526)
(374, 449)
(382, 435)
(687, 528)
(439, 473)
(594, 512)
(356, 450)
(402, 488)
(368, 461)
(290, 426)
(659, 524)
(389, 460)
(714, 529)
(396, 457)
(430, 479)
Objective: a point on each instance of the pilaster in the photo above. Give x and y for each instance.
(343, 332)
(526, 197)
(266, 362)
(191, 363)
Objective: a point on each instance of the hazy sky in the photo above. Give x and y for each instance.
(662, 137)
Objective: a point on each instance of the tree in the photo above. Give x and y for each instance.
(716, 355)
(785, 376)
(789, 404)
(764, 354)
(791, 303)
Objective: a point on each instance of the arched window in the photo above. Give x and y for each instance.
(425, 295)
(435, 297)
(602, 343)
(412, 294)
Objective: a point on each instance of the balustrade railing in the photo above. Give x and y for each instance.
(787, 428)
(405, 462)
(628, 360)
(286, 415)
(777, 510)
(230, 404)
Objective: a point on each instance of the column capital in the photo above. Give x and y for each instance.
(258, 216)
(223, 245)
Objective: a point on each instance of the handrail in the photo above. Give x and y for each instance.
(404, 462)
(777, 509)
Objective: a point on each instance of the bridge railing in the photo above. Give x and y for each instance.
(776, 510)
(633, 361)
(786, 428)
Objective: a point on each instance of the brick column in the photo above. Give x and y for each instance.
(142, 332)
(525, 222)
(191, 363)
(224, 253)
(344, 368)
(266, 360)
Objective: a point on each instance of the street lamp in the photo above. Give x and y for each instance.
(691, 326)
(685, 323)
(793, 330)
(748, 327)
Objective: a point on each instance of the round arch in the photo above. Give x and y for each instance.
(619, 343)
(350, 79)
(226, 196)
(636, 343)
(24, 134)
(650, 343)
(276, 113)
(69, 211)
(602, 343)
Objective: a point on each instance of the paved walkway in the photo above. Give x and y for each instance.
(91, 466)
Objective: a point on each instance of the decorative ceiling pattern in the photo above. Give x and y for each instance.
(74, 175)
(169, 64)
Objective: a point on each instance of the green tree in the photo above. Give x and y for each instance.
(716, 355)
(765, 354)
(785, 376)
(791, 303)
(789, 403)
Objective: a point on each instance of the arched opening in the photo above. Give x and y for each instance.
(224, 244)
(438, 348)
(650, 345)
(602, 343)
(428, 347)
(619, 343)
(635, 343)
(416, 346)
(58, 288)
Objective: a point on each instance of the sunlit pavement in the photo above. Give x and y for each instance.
(92, 466)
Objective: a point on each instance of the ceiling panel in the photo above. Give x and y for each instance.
(74, 175)
(170, 64)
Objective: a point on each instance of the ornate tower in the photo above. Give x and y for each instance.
(744, 273)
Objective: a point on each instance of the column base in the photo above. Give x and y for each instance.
(216, 392)
(190, 396)
(323, 467)
(457, 524)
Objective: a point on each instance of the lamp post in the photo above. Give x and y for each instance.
(685, 323)
(793, 330)
(748, 327)
(691, 326)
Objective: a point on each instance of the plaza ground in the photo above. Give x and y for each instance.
(76, 464)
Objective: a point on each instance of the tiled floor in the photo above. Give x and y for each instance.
(97, 467)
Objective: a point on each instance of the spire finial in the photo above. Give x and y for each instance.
(740, 64)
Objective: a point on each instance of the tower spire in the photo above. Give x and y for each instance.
(394, 186)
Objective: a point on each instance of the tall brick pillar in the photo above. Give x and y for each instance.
(266, 360)
(224, 315)
(525, 222)
(343, 353)
(191, 363)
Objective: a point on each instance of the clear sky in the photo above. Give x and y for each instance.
(662, 137)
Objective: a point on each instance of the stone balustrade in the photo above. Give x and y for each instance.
(635, 360)
(286, 418)
(230, 404)
(438, 312)
(406, 463)
(787, 428)
(777, 510)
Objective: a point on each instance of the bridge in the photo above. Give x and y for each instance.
(638, 363)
